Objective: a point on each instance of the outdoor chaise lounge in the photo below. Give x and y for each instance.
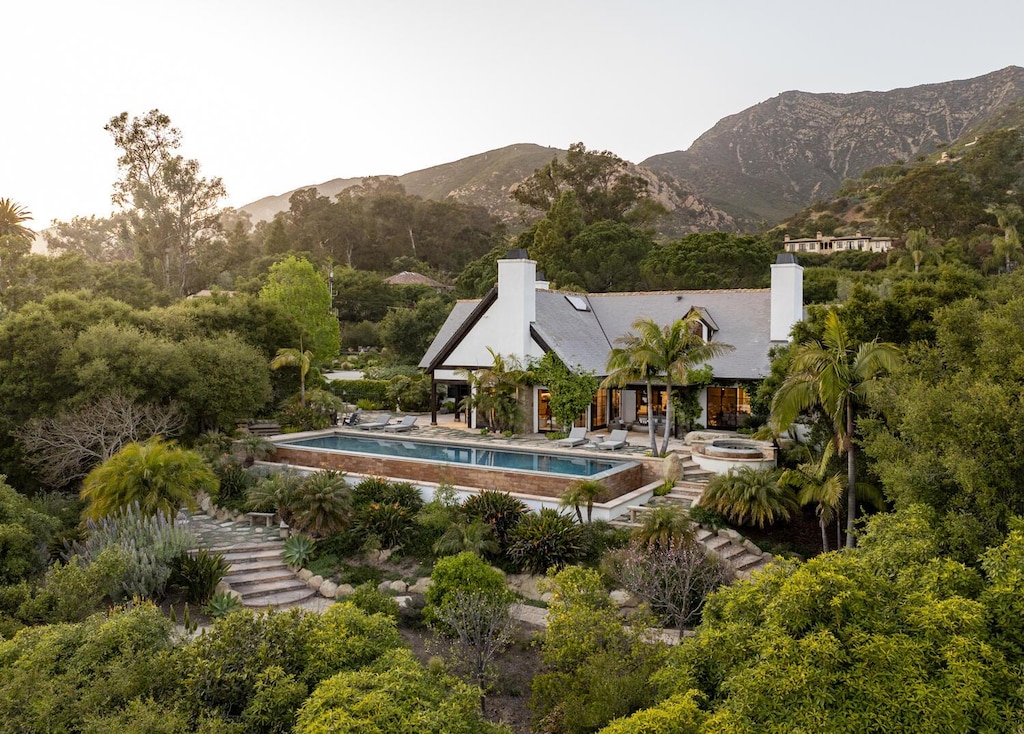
(374, 425)
(407, 423)
(577, 437)
(615, 440)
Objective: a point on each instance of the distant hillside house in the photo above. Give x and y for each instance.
(522, 317)
(827, 245)
(407, 278)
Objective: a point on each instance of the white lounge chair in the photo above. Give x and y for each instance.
(615, 440)
(374, 425)
(407, 423)
(577, 437)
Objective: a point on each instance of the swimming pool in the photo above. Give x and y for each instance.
(461, 464)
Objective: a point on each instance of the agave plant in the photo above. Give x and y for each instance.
(222, 604)
(297, 550)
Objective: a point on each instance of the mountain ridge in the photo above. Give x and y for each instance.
(752, 169)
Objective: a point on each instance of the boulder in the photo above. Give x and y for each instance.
(315, 582)
(343, 591)
(328, 589)
(672, 467)
(399, 587)
(305, 574)
(622, 598)
(421, 586)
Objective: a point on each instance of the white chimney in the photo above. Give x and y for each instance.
(787, 296)
(517, 302)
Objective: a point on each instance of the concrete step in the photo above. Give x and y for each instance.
(691, 485)
(236, 555)
(716, 542)
(730, 551)
(269, 574)
(748, 562)
(278, 600)
(266, 588)
(260, 564)
(703, 534)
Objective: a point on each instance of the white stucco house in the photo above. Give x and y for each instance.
(522, 317)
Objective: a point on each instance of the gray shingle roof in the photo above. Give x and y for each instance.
(584, 338)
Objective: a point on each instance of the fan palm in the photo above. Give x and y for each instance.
(159, 475)
(475, 536)
(323, 504)
(834, 375)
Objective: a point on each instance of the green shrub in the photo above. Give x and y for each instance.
(297, 551)
(357, 575)
(385, 522)
(546, 540)
(750, 497)
(274, 493)
(599, 537)
(500, 510)
(465, 572)
(346, 638)
(235, 482)
(276, 699)
(680, 714)
(72, 591)
(372, 601)
(370, 489)
(707, 517)
(24, 534)
(373, 393)
(396, 695)
(198, 575)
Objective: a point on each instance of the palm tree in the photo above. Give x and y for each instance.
(750, 496)
(12, 219)
(834, 375)
(303, 359)
(579, 493)
(920, 248)
(676, 348)
(159, 475)
(494, 391)
(662, 353)
(663, 525)
(816, 485)
(1008, 246)
(322, 504)
(475, 536)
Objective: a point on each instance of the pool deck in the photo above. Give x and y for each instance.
(638, 442)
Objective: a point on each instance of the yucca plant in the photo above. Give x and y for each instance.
(297, 550)
(198, 575)
(500, 510)
(546, 540)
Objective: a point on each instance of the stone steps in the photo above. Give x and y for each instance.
(257, 573)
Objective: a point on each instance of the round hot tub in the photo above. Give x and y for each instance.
(732, 448)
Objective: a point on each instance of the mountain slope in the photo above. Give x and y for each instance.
(487, 180)
(781, 155)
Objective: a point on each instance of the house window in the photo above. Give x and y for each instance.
(728, 407)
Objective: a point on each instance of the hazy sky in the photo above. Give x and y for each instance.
(271, 96)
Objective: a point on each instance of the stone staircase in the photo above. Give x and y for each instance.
(726, 544)
(258, 573)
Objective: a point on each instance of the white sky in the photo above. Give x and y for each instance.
(271, 96)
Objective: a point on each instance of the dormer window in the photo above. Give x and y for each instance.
(705, 326)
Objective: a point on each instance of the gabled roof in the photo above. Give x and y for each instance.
(584, 338)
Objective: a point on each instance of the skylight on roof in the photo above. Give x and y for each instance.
(578, 303)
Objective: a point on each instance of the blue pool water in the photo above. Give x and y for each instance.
(571, 466)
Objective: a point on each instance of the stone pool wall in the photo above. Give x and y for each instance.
(545, 485)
